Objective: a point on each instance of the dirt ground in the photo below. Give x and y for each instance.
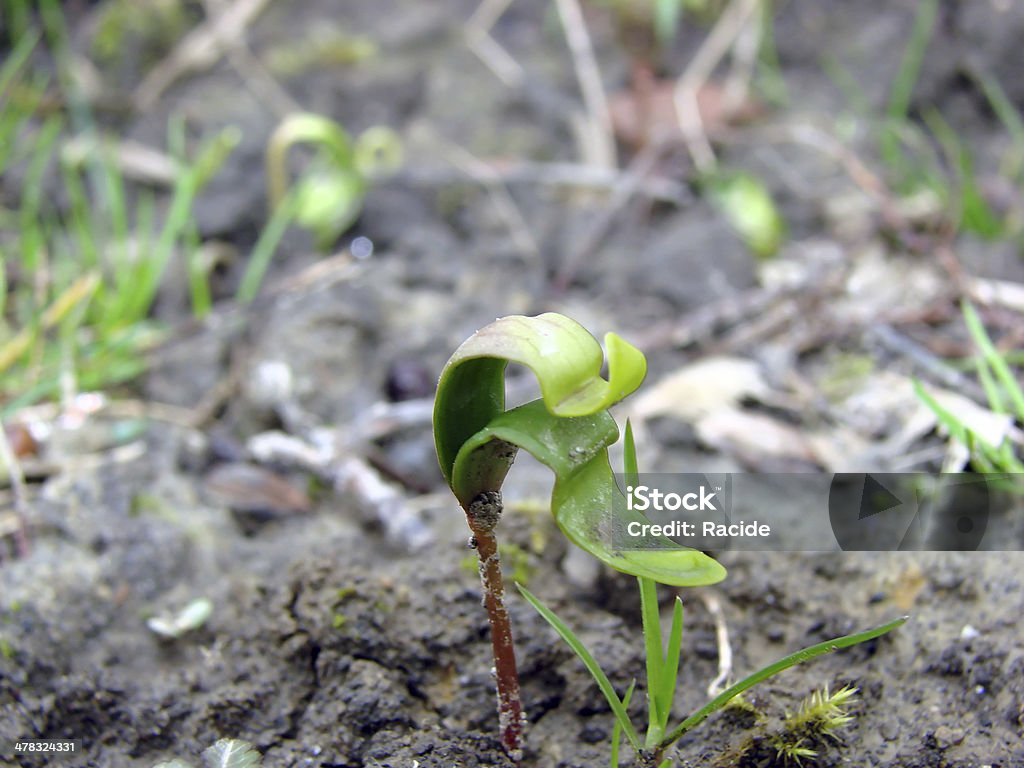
(342, 635)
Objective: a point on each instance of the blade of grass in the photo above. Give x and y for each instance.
(902, 91)
(265, 247)
(994, 359)
(654, 658)
(617, 727)
(32, 191)
(15, 60)
(589, 662)
(1004, 110)
(670, 668)
(793, 659)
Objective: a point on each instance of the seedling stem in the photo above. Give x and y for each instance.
(483, 515)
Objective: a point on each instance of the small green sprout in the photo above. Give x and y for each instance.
(1005, 396)
(569, 429)
(750, 209)
(328, 197)
(188, 619)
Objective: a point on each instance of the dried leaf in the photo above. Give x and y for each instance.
(755, 436)
(246, 487)
(702, 388)
(641, 117)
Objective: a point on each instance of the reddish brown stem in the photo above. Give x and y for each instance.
(483, 515)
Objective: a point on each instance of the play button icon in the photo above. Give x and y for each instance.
(909, 511)
(875, 498)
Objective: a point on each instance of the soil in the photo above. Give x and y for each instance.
(336, 641)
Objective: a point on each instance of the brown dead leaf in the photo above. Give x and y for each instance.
(642, 116)
(21, 440)
(702, 388)
(249, 488)
(755, 437)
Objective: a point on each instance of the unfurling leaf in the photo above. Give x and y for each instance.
(569, 430)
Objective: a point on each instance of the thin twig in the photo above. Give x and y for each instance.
(639, 168)
(600, 150)
(484, 174)
(479, 40)
(714, 48)
(199, 49)
(350, 476)
(568, 175)
(923, 359)
(714, 606)
(257, 78)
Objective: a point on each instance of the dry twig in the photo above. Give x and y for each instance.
(198, 50)
(599, 147)
(723, 36)
(714, 606)
(479, 40)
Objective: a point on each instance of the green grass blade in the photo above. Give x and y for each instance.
(994, 359)
(670, 667)
(16, 59)
(617, 728)
(632, 469)
(773, 669)
(32, 192)
(956, 428)
(656, 716)
(265, 247)
(589, 662)
(1004, 110)
(903, 85)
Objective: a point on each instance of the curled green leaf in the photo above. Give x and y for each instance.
(569, 430)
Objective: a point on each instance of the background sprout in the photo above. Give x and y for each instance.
(328, 197)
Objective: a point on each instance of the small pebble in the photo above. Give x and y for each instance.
(969, 633)
(946, 737)
(270, 383)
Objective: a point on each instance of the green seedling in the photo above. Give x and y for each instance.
(1004, 394)
(328, 197)
(748, 205)
(188, 619)
(569, 429)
